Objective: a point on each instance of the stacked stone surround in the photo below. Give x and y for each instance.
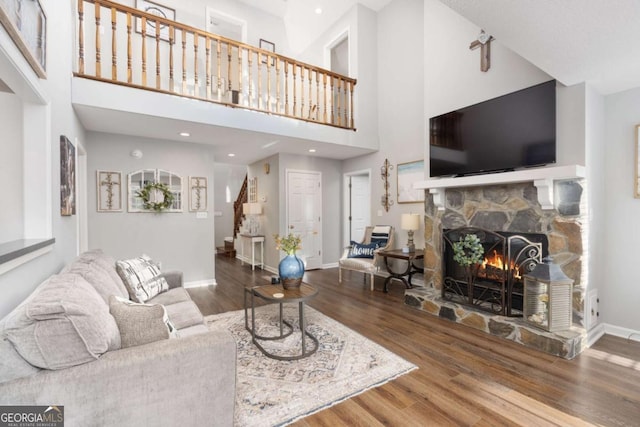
(511, 208)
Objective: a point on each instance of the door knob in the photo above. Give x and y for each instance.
(291, 227)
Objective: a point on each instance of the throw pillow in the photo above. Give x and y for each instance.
(360, 250)
(142, 278)
(140, 323)
(380, 235)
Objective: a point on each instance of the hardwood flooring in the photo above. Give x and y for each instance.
(465, 377)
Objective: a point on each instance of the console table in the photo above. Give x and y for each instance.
(253, 239)
(411, 269)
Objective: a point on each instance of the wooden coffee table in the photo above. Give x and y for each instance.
(276, 294)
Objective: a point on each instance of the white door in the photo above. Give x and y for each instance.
(304, 214)
(360, 204)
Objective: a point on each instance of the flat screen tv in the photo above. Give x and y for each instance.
(510, 132)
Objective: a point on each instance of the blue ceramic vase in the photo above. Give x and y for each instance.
(291, 270)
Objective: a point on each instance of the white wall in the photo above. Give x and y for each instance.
(231, 177)
(400, 121)
(620, 293)
(58, 118)
(180, 241)
(11, 170)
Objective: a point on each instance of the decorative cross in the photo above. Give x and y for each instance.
(484, 42)
(109, 184)
(198, 188)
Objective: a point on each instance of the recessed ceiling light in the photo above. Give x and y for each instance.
(312, 150)
(185, 134)
(231, 155)
(318, 11)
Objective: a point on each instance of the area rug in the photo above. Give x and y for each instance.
(270, 392)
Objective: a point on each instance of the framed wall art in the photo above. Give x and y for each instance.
(409, 173)
(197, 193)
(26, 23)
(157, 10)
(109, 191)
(271, 47)
(67, 177)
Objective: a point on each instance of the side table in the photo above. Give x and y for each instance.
(253, 239)
(277, 294)
(409, 257)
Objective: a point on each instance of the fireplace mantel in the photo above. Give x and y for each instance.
(542, 178)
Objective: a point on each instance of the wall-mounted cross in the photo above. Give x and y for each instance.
(484, 42)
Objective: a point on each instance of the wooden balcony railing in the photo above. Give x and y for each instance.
(119, 44)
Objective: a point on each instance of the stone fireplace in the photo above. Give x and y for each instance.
(508, 209)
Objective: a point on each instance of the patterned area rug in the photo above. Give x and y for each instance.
(272, 392)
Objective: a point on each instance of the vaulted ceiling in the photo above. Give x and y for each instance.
(596, 41)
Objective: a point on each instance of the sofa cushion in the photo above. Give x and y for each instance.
(109, 265)
(12, 365)
(193, 330)
(97, 277)
(65, 323)
(361, 250)
(184, 314)
(172, 296)
(361, 264)
(140, 323)
(142, 278)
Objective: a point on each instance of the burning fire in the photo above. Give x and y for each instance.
(495, 261)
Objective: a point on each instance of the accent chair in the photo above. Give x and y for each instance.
(367, 265)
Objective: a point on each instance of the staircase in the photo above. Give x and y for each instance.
(229, 248)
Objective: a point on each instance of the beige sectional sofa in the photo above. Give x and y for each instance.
(63, 346)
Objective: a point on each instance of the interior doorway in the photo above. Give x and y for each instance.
(357, 191)
(338, 53)
(226, 25)
(304, 214)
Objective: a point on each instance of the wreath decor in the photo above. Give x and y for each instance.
(147, 190)
(468, 251)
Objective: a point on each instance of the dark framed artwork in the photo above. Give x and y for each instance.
(157, 10)
(271, 47)
(67, 177)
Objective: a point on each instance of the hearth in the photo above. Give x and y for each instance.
(496, 284)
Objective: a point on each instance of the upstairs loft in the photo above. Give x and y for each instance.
(146, 82)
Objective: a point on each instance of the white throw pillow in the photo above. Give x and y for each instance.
(142, 278)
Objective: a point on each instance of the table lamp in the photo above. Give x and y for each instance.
(410, 222)
(251, 210)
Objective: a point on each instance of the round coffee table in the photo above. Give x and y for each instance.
(276, 294)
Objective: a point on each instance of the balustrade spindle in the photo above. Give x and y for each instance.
(230, 93)
(239, 74)
(268, 83)
(250, 98)
(317, 95)
(324, 91)
(259, 80)
(129, 70)
(286, 88)
(207, 49)
(114, 55)
(346, 100)
(352, 124)
(144, 51)
(332, 89)
(98, 64)
(218, 66)
(295, 93)
(302, 68)
(158, 81)
(184, 61)
(195, 65)
(310, 93)
(339, 97)
(277, 86)
(171, 42)
(81, 36)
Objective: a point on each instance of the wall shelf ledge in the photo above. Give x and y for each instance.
(543, 179)
(18, 252)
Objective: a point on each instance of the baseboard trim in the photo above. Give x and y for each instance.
(330, 265)
(621, 332)
(200, 283)
(595, 334)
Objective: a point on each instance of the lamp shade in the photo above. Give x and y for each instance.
(410, 222)
(251, 208)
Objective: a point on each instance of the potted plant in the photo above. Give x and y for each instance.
(291, 268)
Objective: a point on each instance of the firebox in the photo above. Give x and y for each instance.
(494, 284)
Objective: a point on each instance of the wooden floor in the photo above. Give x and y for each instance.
(465, 377)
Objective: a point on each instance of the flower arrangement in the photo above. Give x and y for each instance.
(152, 189)
(468, 251)
(290, 244)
